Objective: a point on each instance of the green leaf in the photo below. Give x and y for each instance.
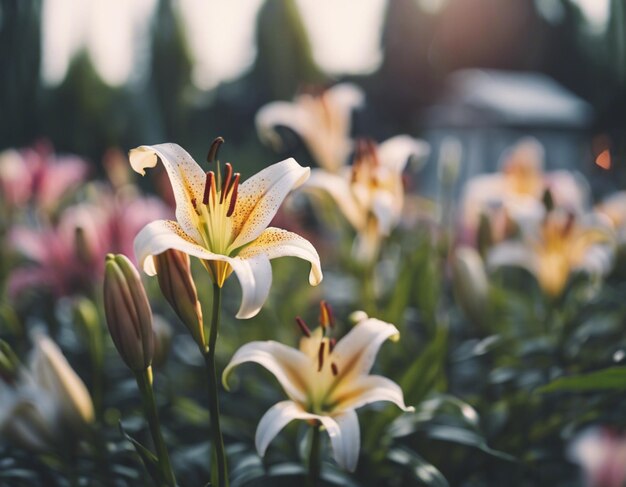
(148, 458)
(466, 437)
(425, 472)
(427, 371)
(610, 379)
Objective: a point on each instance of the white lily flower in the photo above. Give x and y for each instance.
(561, 246)
(370, 193)
(223, 223)
(47, 398)
(519, 187)
(323, 120)
(325, 382)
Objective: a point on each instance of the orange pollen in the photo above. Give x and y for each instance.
(229, 173)
(209, 183)
(233, 193)
(320, 357)
(326, 315)
(333, 367)
(303, 328)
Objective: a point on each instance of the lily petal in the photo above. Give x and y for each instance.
(346, 96)
(343, 430)
(186, 177)
(275, 419)
(254, 271)
(255, 277)
(54, 373)
(260, 197)
(355, 353)
(276, 242)
(513, 254)
(387, 208)
(338, 188)
(161, 235)
(287, 364)
(346, 438)
(368, 389)
(280, 113)
(395, 152)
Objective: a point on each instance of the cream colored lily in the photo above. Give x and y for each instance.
(561, 246)
(223, 223)
(518, 189)
(322, 119)
(325, 382)
(370, 193)
(36, 410)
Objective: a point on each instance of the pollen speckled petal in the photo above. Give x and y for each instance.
(276, 242)
(260, 197)
(186, 177)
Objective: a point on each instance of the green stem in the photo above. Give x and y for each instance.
(144, 381)
(368, 289)
(315, 464)
(214, 405)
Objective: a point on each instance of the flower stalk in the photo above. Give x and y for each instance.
(144, 382)
(315, 459)
(219, 455)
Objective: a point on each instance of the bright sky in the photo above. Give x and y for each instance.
(597, 13)
(345, 35)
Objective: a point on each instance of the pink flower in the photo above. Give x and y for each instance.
(37, 175)
(601, 452)
(68, 258)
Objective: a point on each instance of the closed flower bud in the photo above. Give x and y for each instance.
(176, 283)
(471, 286)
(128, 313)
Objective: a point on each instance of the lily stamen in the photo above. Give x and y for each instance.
(229, 173)
(320, 357)
(303, 327)
(326, 315)
(334, 369)
(331, 344)
(233, 197)
(213, 150)
(210, 176)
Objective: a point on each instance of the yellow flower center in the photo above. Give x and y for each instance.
(214, 222)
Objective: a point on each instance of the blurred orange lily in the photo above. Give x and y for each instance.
(370, 193)
(517, 190)
(561, 246)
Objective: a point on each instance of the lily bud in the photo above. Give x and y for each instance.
(128, 312)
(176, 283)
(471, 286)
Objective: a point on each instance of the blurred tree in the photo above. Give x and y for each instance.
(170, 74)
(284, 60)
(20, 55)
(83, 114)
